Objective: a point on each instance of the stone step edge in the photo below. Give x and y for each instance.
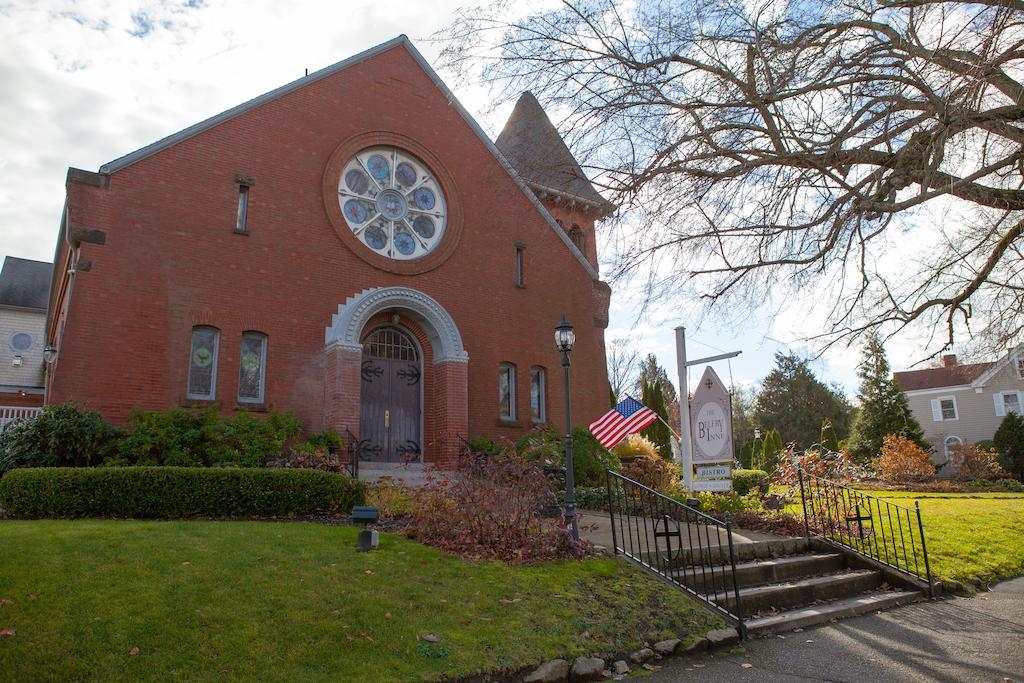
(842, 576)
(824, 613)
(750, 564)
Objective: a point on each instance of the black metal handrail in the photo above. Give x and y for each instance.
(886, 532)
(353, 449)
(678, 543)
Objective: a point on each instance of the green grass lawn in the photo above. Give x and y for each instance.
(970, 535)
(280, 601)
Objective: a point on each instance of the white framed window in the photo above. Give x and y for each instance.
(520, 274)
(950, 445)
(507, 391)
(252, 367)
(202, 363)
(1008, 402)
(21, 341)
(944, 409)
(538, 396)
(243, 208)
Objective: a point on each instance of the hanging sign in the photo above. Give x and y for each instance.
(711, 420)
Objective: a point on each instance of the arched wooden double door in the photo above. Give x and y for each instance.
(391, 397)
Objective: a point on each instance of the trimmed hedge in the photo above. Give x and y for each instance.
(745, 481)
(176, 492)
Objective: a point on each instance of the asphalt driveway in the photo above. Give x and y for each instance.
(958, 639)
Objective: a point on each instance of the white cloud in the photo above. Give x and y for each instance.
(85, 83)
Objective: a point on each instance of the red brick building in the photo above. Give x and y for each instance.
(350, 246)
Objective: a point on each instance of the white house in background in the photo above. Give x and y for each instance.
(964, 404)
(24, 286)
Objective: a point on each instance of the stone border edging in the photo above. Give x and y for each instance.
(592, 668)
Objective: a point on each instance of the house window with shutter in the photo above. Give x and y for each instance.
(1008, 402)
(1020, 368)
(944, 409)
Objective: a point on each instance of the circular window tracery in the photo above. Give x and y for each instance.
(392, 203)
(21, 341)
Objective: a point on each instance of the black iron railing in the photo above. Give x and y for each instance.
(676, 542)
(353, 448)
(881, 530)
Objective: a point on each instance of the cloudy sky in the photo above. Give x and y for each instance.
(84, 83)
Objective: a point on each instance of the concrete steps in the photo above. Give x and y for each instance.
(413, 474)
(792, 584)
(837, 609)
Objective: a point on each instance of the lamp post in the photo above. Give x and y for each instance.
(564, 339)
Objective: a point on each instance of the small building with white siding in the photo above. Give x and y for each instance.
(24, 291)
(960, 404)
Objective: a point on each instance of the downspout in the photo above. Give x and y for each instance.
(59, 331)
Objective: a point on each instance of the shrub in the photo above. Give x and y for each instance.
(745, 481)
(179, 437)
(491, 509)
(589, 458)
(782, 523)
(636, 446)
(392, 498)
(728, 502)
(483, 444)
(1009, 441)
(322, 441)
(903, 461)
(304, 457)
(655, 473)
(833, 465)
(176, 492)
(973, 462)
(592, 497)
(60, 436)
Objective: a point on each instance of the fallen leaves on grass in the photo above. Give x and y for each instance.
(133, 652)
(7, 632)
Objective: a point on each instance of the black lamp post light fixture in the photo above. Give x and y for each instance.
(565, 337)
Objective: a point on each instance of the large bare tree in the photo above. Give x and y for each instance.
(868, 151)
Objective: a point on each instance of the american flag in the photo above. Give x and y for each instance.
(628, 417)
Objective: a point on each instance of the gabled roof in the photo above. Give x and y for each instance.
(936, 378)
(25, 283)
(532, 144)
(982, 379)
(402, 40)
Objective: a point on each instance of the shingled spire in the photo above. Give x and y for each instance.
(533, 146)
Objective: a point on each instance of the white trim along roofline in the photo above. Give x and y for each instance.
(982, 379)
(402, 40)
(938, 390)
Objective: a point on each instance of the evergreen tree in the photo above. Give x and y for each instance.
(650, 372)
(1009, 441)
(796, 403)
(654, 398)
(884, 408)
(771, 452)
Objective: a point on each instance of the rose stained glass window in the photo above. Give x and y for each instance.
(393, 203)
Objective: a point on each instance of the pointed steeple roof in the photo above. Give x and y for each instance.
(532, 145)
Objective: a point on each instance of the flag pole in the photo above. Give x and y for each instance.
(684, 409)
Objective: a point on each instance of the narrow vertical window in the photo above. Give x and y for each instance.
(520, 275)
(252, 367)
(243, 208)
(202, 363)
(538, 407)
(576, 235)
(507, 391)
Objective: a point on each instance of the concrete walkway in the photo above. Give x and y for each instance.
(957, 639)
(596, 527)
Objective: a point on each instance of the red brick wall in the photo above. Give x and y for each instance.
(172, 261)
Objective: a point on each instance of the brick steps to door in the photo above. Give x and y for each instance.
(785, 584)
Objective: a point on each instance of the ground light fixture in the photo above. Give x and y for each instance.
(565, 337)
(366, 515)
